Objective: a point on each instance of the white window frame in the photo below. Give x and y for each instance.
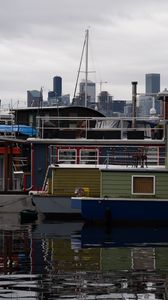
(68, 150)
(145, 176)
(81, 161)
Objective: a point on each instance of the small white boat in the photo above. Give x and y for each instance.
(61, 183)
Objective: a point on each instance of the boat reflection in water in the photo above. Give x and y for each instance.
(94, 262)
(133, 236)
(78, 261)
(131, 249)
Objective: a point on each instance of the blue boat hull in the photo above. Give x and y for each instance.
(105, 210)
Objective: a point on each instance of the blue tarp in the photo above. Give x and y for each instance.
(20, 129)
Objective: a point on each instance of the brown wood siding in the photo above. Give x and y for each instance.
(143, 185)
(66, 180)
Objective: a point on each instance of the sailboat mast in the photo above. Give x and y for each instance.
(86, 66)
(79, 70)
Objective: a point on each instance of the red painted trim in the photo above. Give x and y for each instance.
(15, 150)
(32, 168)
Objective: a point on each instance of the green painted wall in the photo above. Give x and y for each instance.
(118, 184)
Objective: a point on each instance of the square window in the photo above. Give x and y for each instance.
(143, 185)
(89, 156)
(67, 156)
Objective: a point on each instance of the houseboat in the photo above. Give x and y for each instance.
(128, 195)
(61, 183)
(105, 193)
(15, 166)
(61, 165)
(81, 137)
(97, 143)
(136, 194)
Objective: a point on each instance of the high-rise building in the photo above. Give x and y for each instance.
(57, 86)
(91, 92)
(128, 109)
(118, 106)
(152, 82)
(34, 98)
(105, 103)
(149, 101)
(55, 97)
(145, 105)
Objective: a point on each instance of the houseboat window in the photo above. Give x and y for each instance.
(143, 185)
(67, 156)
(88, 156)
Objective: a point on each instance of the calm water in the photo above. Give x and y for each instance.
(74, 261)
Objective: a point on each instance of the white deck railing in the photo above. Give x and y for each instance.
(100, 128)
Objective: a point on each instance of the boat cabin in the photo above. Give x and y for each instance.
(15, 165)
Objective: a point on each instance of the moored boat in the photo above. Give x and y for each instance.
(14, 176)
(130, 195)
(125, 149)
(98, 192)
(15, 202)
(61, 183)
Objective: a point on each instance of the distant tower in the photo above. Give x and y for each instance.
(105, 103)
(91, 92)
(152, 83)
(57, 86)
(34, 98)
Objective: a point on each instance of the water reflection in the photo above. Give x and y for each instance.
(76, 261)
(102, 236)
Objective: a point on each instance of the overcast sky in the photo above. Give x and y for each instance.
(40, 39)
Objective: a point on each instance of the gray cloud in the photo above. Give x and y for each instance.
(43, 38)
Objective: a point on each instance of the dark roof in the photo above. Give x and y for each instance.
(62, 108)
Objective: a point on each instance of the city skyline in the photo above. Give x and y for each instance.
(40, 40)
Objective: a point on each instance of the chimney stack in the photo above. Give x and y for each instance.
(134, 101)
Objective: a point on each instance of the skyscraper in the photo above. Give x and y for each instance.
(105, 103)
(152, 83)
(34, 98)
(57, 85)
(91, 92)
(149, 101)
